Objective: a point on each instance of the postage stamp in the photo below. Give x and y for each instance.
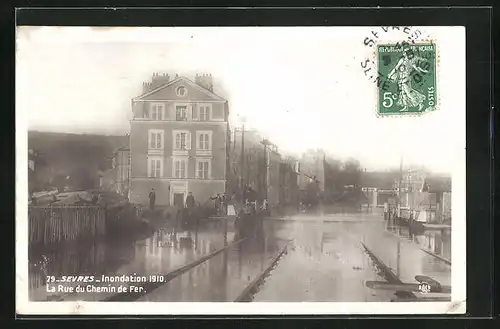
(411, 74)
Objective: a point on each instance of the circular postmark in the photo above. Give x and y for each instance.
(402, 64)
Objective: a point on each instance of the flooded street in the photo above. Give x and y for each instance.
(325, 261)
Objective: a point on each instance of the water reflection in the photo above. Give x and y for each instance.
(425, 253)
(325, 262)
(223, 277)
(333, 267)
(161, 253)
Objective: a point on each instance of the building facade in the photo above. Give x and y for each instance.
(379, 186)
(178, 141)
(117, 178)
(428, 194)
(289, 188)
(254, 167)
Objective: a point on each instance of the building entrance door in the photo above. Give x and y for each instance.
(179, 200)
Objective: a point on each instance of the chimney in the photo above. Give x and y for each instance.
(204, 80)
(159, 80)
(146, 87)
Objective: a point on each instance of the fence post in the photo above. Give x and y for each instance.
(53, 224)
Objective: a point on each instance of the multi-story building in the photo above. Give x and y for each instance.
(289, 188)
(254, 169)
(178, 140)
(273, 159)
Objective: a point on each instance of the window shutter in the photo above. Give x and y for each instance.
(177, 141)
(183, 166)
(158, 141)
(188, 140)
(207, 113)
(194, 112)
(151, 140)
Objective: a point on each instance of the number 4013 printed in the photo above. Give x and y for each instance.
(410, 79)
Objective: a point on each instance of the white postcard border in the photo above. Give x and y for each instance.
(456, 306)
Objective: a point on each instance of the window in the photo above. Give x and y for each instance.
(181, 91)
(203, 169)
(156, 111)
(155, 139)
(180, 168)
(204, 113)
(155, 167)
(181, 113)
(182, 140)
(204, 140)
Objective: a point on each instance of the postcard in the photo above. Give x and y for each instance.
(240, 170)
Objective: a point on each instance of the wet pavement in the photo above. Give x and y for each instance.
(325, 261)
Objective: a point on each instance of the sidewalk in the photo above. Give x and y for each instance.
(405, 258)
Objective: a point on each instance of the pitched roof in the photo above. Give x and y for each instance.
(380, 180)
(188, 82)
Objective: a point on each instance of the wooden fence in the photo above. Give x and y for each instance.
(52, 224)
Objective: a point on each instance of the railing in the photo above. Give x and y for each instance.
(53, 224)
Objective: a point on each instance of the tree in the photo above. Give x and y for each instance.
(352, 170)
(333, 184)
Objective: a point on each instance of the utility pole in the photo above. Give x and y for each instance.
(265, 167)
(242, 160)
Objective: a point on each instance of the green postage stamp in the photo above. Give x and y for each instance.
(410, 74)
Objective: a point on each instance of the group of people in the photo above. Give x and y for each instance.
(221, 202)
(390, 212)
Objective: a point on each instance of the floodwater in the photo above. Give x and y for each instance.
(163, 252)
(325, 261)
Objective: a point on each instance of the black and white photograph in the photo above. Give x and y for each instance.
(240, 170)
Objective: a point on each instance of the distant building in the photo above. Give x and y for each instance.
(178, 140)
(265, 170)
(439, 190)
(254, 169)
(312, 171)
(379, 186)
(427, 193)
(289, 188)
(273, 164)
(117, 178)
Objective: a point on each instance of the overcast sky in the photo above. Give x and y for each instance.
(302, 87)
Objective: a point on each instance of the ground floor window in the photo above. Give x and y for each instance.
(155, 167)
